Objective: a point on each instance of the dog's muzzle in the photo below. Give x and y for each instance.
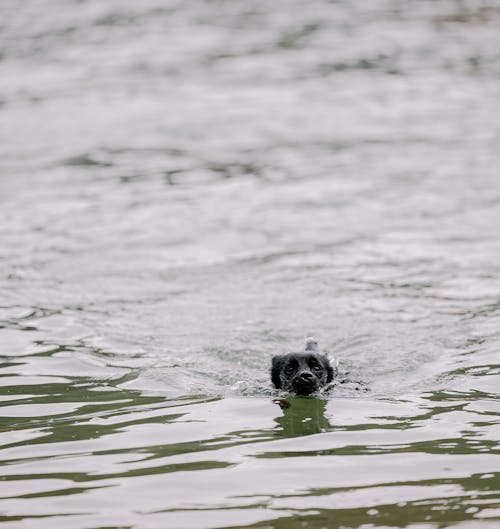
(305, 383)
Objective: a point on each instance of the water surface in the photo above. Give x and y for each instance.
(188, 188)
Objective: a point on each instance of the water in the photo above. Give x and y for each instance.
(188, 188)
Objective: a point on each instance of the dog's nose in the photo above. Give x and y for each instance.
(307, 376)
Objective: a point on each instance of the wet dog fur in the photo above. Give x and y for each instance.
(301, 373)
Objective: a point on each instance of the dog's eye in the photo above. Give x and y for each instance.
(316, 367)
(289, 370)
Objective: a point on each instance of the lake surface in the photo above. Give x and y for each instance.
(186, 189)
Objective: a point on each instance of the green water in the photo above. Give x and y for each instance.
(99, 456)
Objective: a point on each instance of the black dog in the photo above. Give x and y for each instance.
(302, 373)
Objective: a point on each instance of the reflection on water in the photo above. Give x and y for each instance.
(303, 416)
(188, 188)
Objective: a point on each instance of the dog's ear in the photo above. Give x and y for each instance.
(329, 368)
(277, 364)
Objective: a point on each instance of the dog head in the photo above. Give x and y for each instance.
(301, 373)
